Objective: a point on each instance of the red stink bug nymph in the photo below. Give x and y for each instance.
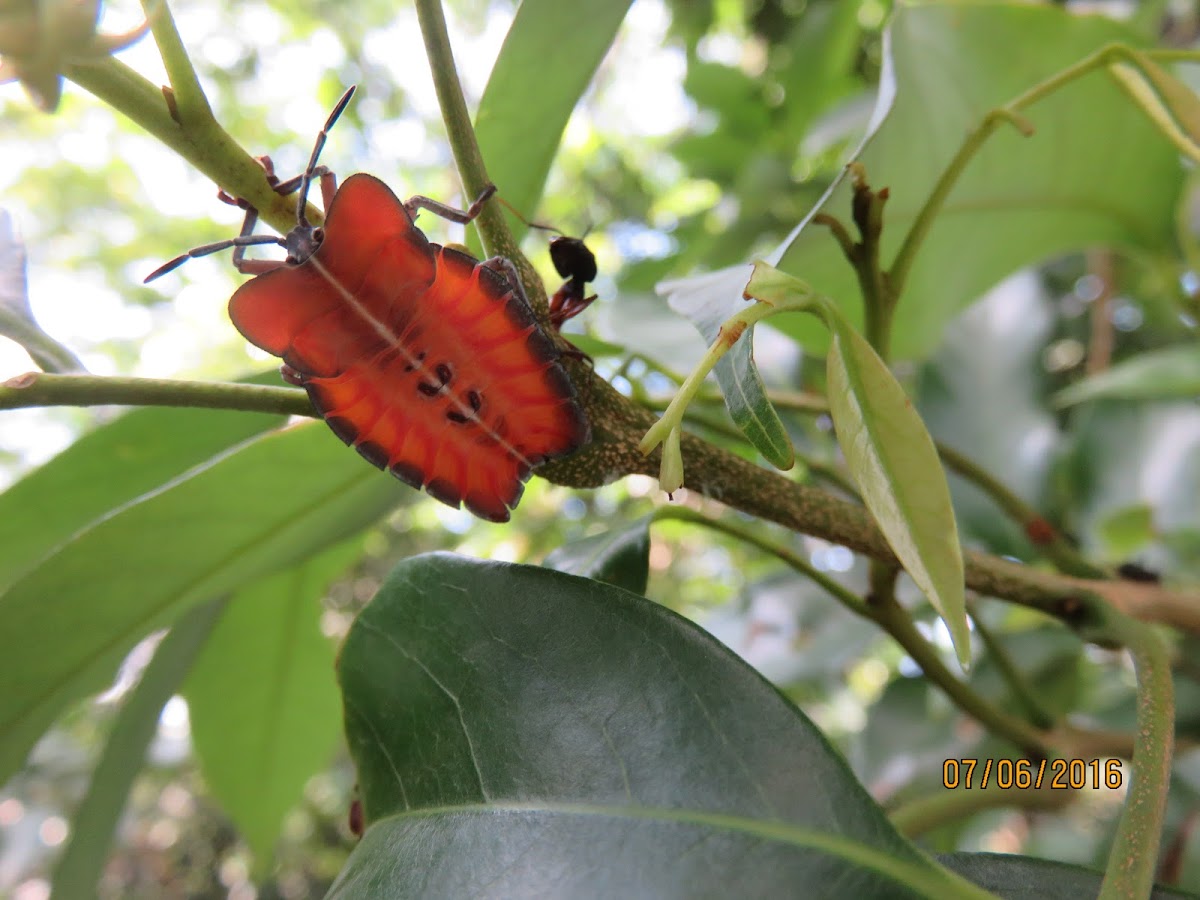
(426, 360)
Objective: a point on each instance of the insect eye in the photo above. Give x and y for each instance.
(318, 235)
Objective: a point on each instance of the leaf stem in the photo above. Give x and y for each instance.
(839, 592)
(1022, 691)
(1047, 540)
(732, 329)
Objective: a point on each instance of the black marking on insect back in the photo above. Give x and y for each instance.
(441, 489)
(475, 400)
(412, 365)
(429, 390)
(456, 417)
(374, 454)
(444, 373)
(409, 474)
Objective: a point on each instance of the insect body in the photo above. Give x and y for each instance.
(426, 360)
(576, 263)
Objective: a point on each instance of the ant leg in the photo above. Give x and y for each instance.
(463, 217)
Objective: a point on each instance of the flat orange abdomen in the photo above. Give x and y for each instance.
(419, 356)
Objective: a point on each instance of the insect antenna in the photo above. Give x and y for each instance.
(318, 146)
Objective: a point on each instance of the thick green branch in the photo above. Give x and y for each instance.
(203, 143)
(617, 425)
(1134, 856)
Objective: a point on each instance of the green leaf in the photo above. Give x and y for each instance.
(263, 700)
(1021, 199)
(1170, 104)
(539, 723)
(1126, 531)
(707, 307)
(65, 625)
(897, 470)
(1171, 373)
(128, 457)
(889, 452)
(547, 61)
(620, 557)
(79, 869)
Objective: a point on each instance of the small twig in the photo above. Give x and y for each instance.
(916, 817)
(41, 389)
(1100, 340)
(1018, 684)
(892, 618)
(206, 146)
(1045, 538)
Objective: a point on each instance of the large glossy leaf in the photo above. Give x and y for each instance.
(263, 700)
(519, 731)
(619, 557)
(1020, 877)
(548, 59)
(1158, 375)
(1021, 199)
(124, 459)
(65, 625)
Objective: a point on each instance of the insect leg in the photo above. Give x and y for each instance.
(417, 201)
(238, 242)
